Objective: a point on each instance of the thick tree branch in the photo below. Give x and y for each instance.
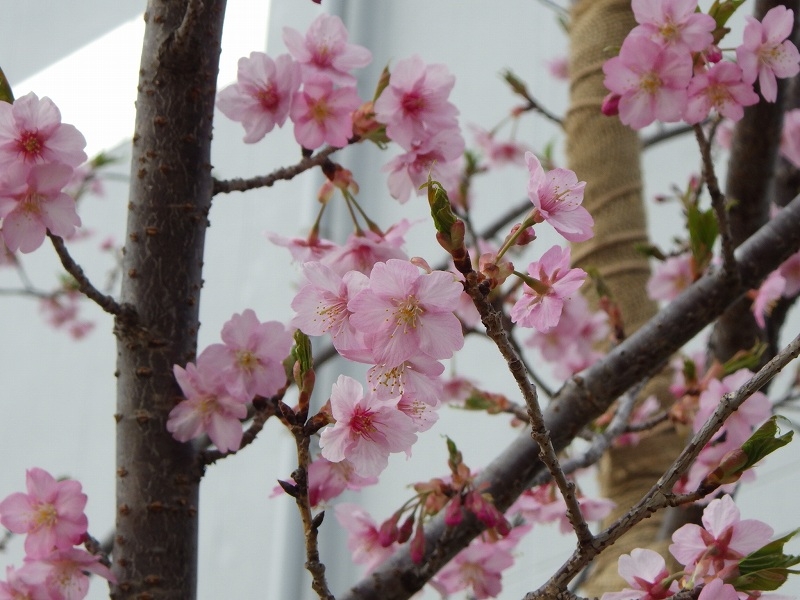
(588, 395)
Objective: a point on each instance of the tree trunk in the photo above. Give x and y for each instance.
(155, 547)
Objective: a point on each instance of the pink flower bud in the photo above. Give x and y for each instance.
(610, 106)
(405, 530)
(388, 531)
(452, 513)
(418, 545)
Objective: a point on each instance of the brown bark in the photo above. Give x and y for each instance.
(155, 546)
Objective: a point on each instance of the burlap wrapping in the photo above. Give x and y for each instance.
(605, 154)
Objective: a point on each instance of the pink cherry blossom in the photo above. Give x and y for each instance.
(367, 429)
(51, 513)
(765, 52)
(720, 88)
(322, 114)
(646, 573)
(423, 414)
(541, 308)
(363, 536)
(650, 79)
(436, 157)
(64, 573)
(478, 567)
(209, 406)
(717, 589)
(790, 137)
(415, 106)
(557, 196)
(31, 203)
(363, 250)
(790, 270)
(558, 67)
(723, 540)
(412, 378)
(19, 586)
(769, 292)
(251, 359)
(673, 22)
(753, 411)
(327, 480)
(670, 277)
(321, 305)
(303, 250)
(499, 153)
(262, 95)
(31, 132)
(406, 314)
(324, 51)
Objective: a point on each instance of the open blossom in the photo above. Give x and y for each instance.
(363, 536)
(673, 22)
(327, 480)
(303, 249)
(765, 52)
(31, 132)
(768, 294)
(499, 153)
(209, 406)
(251, 358)
(415, 106)
(324, 50)
(723, 540)
(50, 513)
(670, 277)
(478, 567)
(406, 314)
(363, 251)
(262, 94)
(541, 308)
(650, 79)
(64, 573)
(322, 114)
(367, 429)
(19, 586)
(31, 203)
(646, 572)
(557, 196)
(720, 88)
(412, 378)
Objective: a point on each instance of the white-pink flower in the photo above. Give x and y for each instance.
(324, 50)
(322, 114)
(650, 80)
(50, 513)
(251, 358)
(765, 52)
(673, 22)
(31, 203)
(362, 251)
(723, 540)
(720, 88)
(415, 106)
(262, 95)
(769, 292)
(367, 429)
(670, 277)
(646, 572)
(478, 567)
(406, 314)
(20, 586)
(541, 308)
(363, 536)
(209, 406)
(412, 378)
(557, 196)
(31, 132)
(64, 573)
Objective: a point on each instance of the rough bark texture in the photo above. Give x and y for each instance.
(605, 153)
(155, 548)
(584, 398)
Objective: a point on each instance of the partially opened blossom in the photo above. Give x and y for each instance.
(261, 97)
(541, 308)
(406, 314)
(367, 429)
(209, 406)
(363, 536)
(720, 88)
(723, 540)
(646, 574)
(31, 132)
(415, 106)
(557, 196)
(766, 54)
(650, 79)
(64, 573)
(50, 513)
(324, 50)
(31, 203)
(322, 114)
(673, 23)
(251, 358)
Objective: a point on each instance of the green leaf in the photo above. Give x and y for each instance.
(767, 569)
(764, 441)
(650, 250)
(745, 359)
(441, 211)
(722, 11)
(477, 402)
(302, 351)
(6, 95)
(703, 231)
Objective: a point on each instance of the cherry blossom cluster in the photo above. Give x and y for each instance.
(670, 68)
(51, 516)
(226, 377)
(38, 158)
(711, 556)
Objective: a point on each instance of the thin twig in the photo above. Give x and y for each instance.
(717, 202)
(535, 106)
(282, 174)
(107, 303)
(267, 408)
(661, 495)
(664, 135)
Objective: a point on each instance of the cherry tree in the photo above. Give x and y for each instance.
(664, 440)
